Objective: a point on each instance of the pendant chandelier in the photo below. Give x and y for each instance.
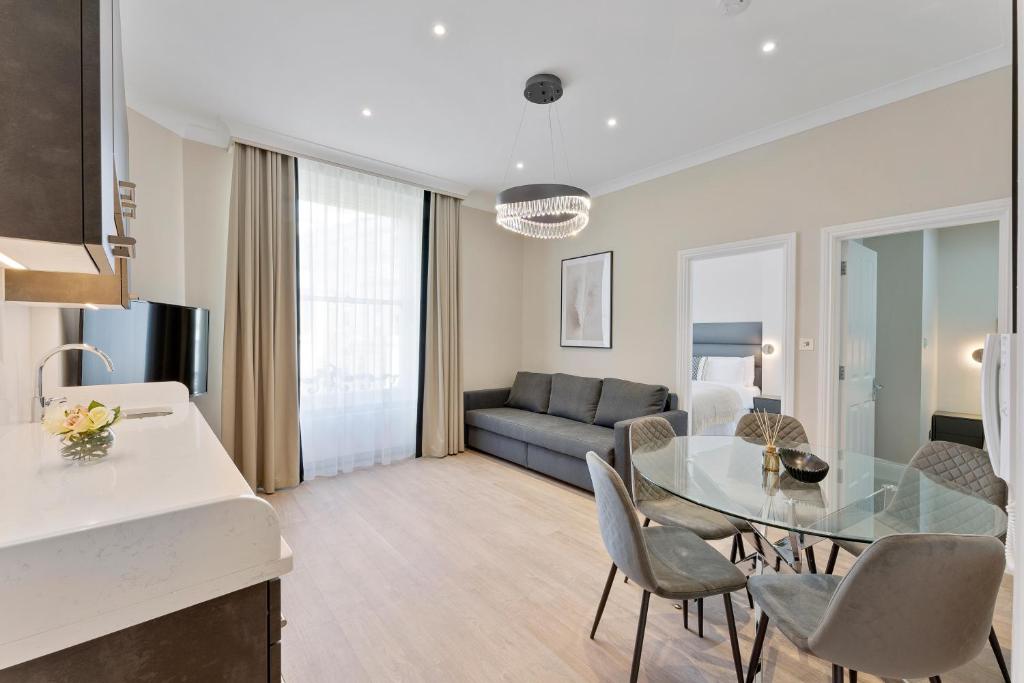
(543, 210)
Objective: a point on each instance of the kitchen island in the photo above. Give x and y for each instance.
(156, 562)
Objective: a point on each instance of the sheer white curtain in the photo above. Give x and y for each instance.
(360, 248)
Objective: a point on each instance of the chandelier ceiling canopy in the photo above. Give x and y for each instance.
(543, 210)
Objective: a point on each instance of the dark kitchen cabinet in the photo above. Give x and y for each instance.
(63, 134)
(232, 639)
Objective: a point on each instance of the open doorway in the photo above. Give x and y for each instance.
(736, 312)
(907, 315)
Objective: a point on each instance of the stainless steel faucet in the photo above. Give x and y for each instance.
(39, 402)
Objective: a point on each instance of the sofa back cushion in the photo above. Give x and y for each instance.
(574, 398)
(531, 391)
(622, 400)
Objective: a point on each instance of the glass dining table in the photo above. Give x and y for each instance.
(861, 498)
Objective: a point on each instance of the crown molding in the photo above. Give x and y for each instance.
(976, 65)
(268, 139)
(220, 133)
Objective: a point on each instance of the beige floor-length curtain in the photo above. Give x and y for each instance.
(260, 404)
(442, 378)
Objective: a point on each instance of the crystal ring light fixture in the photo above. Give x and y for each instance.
(543, 210)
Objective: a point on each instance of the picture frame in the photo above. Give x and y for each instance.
(585, 311)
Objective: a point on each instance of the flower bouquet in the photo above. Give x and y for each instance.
(84, 430)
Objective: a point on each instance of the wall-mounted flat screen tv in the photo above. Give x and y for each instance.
(150, 342)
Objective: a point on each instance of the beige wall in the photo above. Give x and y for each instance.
(492, 301)
(207, 192)
(158, 271)
(183, 191)
(945, 147)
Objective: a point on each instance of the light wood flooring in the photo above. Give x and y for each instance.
(473, 569)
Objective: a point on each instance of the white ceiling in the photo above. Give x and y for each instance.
(685, 82)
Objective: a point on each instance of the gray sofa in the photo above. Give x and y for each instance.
(548, 422)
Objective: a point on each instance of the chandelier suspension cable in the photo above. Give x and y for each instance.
(551, 138)
(515, 143)
(565, 148)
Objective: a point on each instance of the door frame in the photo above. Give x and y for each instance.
(829, 334)
(684, 308)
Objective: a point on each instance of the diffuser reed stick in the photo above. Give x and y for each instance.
(769, 429)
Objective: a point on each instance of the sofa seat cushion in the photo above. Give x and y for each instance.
(554, 433)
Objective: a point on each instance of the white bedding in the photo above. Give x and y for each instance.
(717, 407)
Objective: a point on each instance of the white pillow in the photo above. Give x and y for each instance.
(748, 371)
(725, 369)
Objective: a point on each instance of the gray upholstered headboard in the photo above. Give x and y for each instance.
(730, 339)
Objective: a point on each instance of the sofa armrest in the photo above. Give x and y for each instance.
(623, 465)
(485, 398)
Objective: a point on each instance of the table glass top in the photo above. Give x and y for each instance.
(861, 498)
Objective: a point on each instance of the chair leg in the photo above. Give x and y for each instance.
(755, 654)
(853, 676)
(998, 652)
(750, 598)
(812, 562)
(604, 599)
(832, 555)
(700, 617)
(837, 674)
(934, 679)
(735, 549)
(686, 614)
(647, 521)
(778, 564)
(640, 626)
(733, 638)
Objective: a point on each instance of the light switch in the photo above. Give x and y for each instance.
(806, 344)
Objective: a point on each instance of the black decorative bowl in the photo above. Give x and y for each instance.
(803, 466)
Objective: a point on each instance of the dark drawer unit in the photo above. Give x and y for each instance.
(958, 428)
(234, 639)
(768, 404)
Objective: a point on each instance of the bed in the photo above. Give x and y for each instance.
(716, 406)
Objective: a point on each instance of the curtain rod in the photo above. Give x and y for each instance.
(347, 167)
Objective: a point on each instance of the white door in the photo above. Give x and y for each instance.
(857, 359)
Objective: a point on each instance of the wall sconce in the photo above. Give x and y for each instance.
(978, 355)
(767, 349)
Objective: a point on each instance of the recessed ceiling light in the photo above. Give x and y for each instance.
(612, 122)
(6, 260)
(440, 30)
(520, 165)
(367, 112)
(768, 47)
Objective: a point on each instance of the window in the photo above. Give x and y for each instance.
(360, 254)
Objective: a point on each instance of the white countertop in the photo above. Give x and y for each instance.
(164, 522)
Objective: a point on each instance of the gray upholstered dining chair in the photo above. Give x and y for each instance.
(668, 561)
(893, 615)
(658, 505)
(966, 467)
(791, 431)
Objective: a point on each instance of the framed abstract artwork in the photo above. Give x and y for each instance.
(586, 312)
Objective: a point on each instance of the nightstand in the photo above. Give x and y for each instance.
(768, 404)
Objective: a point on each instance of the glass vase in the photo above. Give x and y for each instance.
(87, 447)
